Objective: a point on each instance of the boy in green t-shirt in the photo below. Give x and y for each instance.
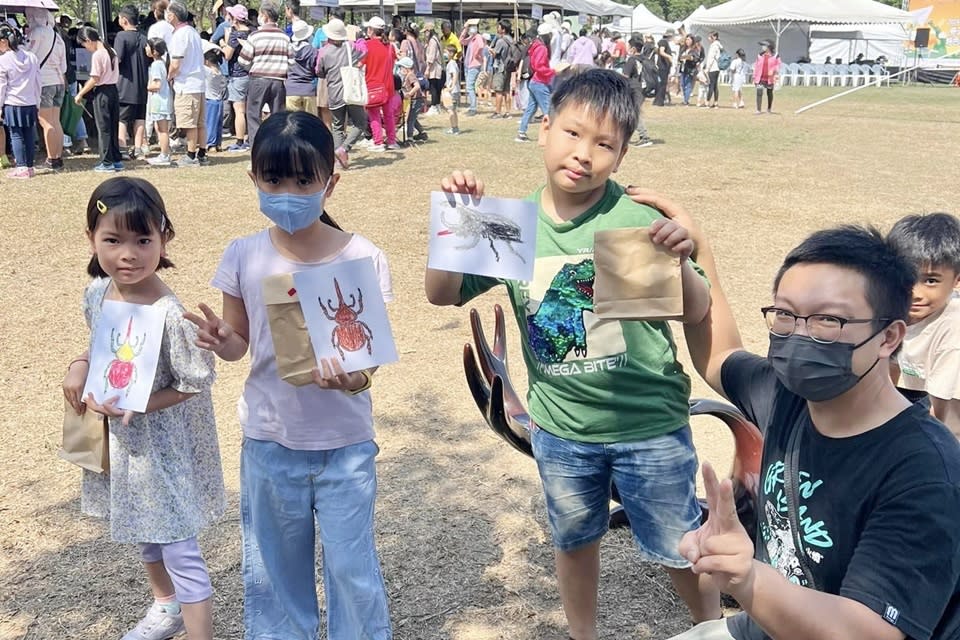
(608, 399)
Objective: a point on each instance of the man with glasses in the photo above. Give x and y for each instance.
(858, 532)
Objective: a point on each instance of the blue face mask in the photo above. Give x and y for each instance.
(290, 211)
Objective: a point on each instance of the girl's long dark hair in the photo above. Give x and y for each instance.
(138, 207)
(12, 36)
(89, 34)
(291, 144)
(159, 47)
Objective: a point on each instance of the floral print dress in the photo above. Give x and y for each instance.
(165, 482)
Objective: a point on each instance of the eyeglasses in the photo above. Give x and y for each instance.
(821, 328)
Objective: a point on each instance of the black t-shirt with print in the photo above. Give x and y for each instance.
(879, 512)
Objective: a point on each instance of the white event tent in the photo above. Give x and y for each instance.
(641, 21)
(742, 23)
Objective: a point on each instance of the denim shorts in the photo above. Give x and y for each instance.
(237, 89)
(656, 479)
(51, 96)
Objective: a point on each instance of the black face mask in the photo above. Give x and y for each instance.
(815, 371)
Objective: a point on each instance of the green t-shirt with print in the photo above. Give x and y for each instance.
(590, 380)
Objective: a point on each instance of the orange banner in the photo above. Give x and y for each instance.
(944, 24)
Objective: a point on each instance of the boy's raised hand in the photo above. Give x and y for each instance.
(212, 331)
(721, 547)
(463, 182)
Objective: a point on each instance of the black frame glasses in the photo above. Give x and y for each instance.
(823, 327)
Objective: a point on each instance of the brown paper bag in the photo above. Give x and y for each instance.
(635, 279)
(291, 342)
(86, 440)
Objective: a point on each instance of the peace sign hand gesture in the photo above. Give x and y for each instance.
(721, 547)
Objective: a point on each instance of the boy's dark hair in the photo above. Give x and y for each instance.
(890, 276)
(605, 92)
(505, 25)
(131, 13)
(931, 239)
(294, 144)
(138, 207)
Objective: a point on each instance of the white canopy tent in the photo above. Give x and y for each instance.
(840, 42)
(641, 21)
(742, 23)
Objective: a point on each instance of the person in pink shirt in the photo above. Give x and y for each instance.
(583, 51)
(473, 45)
(540, 80)
(765, 72)
(102, 86)
(19, 96)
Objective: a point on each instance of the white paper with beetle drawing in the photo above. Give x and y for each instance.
(490, 237)
(346, 315)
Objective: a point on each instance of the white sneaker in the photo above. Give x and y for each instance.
(161, 160)
(158, 624)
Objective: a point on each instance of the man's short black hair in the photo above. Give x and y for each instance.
(294, 6)
(890, 276)
(928, 240)
(604, 92)
(505, 25)
(130, 13)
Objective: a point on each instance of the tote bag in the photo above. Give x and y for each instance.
(354, 82)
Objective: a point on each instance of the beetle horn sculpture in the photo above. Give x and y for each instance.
(488, 377)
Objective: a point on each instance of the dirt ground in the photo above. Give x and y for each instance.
(461, 525)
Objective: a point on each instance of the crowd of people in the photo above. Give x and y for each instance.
(158, 79)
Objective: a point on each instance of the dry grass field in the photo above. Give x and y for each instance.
(461, 524)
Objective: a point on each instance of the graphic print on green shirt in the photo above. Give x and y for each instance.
(590, 380)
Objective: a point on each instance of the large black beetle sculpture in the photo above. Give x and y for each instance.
(489, 380)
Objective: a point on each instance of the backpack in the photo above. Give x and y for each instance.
(723, 62)
(514, 56)
(422, 80)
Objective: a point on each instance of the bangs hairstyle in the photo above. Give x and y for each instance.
(294, 144)
(137, 206)
(890, 276)
(604, 92)
(928, 240)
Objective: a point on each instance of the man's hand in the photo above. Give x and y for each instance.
(721, 547)
(671, 210)
(672, 237)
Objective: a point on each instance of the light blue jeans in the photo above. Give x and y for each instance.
(283, 494)
(539, 97)
(472, 88)
(686, 85)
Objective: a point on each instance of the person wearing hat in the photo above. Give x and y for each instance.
(340, 53)
(664, 63)
(301, 96)
(50, 49)
(238, 30)
(412, 92)
(381, 94)
(542, 75)
(765, 72)
(268, 57)
(473, 60)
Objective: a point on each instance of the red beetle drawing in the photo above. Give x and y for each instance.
(351, 333)
(122, 373)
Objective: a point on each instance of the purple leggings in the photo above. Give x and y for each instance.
(186, 567)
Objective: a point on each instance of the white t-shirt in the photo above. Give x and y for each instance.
(305, 418)
(161, 29)
(930, 357)
(185, 43)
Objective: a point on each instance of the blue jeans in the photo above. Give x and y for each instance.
(686, 84)
(213, 118)
(656, 479)
(284, 493)
(24, 143)
(539, 97)
(472, 88)
(413, 118)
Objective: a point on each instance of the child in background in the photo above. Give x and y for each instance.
(413, 93)
(160, 100)
(452, 88)
(930, 357)
(609, 407)
(216, 92)
(165, 483)
(308, 456)
(738, 75)
(19, 97)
